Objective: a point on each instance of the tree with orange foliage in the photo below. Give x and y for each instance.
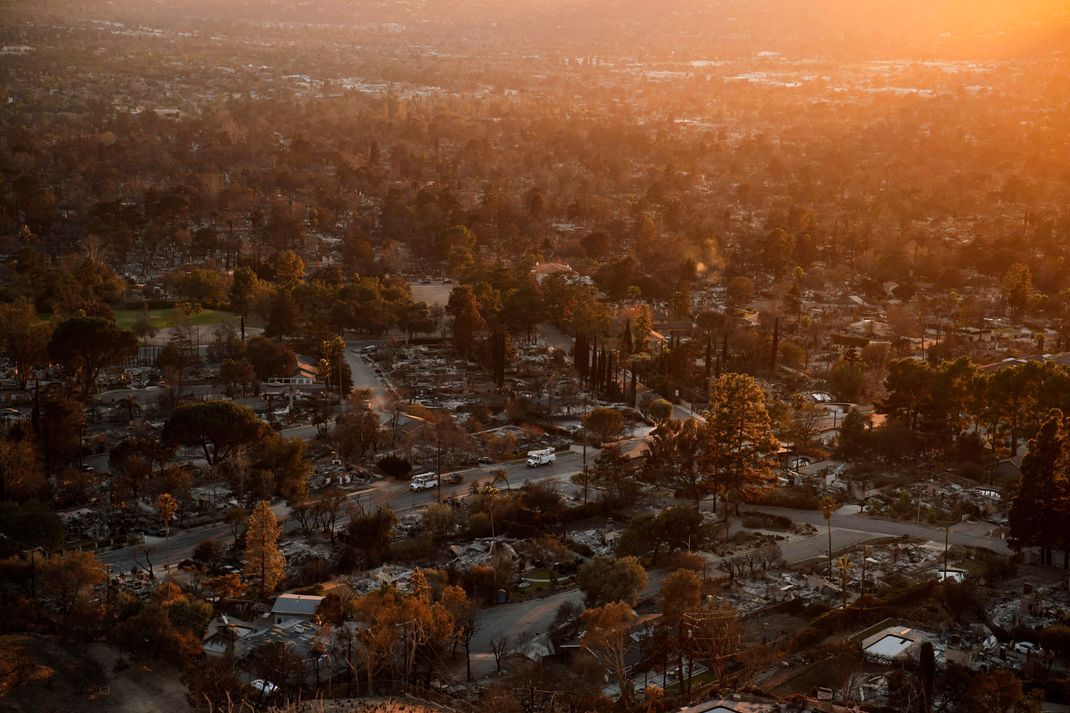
(264, 561)
(607, 640)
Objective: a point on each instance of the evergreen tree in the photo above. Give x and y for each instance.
(739, 444)
(264, 561)
(852, 434)
(1039, 503)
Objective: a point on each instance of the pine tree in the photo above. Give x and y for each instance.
(740, 444)
(776, 344)
(627, 343)
(1037, 509)
(263, 559)
(723, 363)
(709, 356)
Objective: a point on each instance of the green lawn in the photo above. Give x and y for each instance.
(542, 581)
(544, 574)
(697, 681)
(164, 318)
(535, 587)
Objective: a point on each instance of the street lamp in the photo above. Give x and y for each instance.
(107, 587)
(33, 571)
(583, 428)
(947, 539)
(921, 491)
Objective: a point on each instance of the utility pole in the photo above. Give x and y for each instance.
(438, 465)
(341, 403)
(947, 537)
(866, 552)
(107, 588)
(583, 427)
(33, 573)
(690, 657)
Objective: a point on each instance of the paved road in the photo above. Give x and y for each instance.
(847, 520)
(392, 494)
(364, 375)
(848, 529)
(534, 616)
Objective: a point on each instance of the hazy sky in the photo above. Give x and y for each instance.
(865, 28)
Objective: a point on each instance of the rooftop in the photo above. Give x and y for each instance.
(889, 646)
(296, 604)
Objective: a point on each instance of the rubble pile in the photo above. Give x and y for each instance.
(1034, 607)
(388, 574)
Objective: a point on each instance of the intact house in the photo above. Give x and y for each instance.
(294, 607)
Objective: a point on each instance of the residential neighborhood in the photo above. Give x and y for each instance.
(534, 358)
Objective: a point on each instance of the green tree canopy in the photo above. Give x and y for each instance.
(606, 423)
(1041, 506)
(740, 445)
(86, 345)
(216, 426)
(23, 337)
(271, 359)
(27, 525)
(608, 579)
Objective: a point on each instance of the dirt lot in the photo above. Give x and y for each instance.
(41, 674)
(772, 627)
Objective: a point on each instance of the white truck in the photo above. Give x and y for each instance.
(545, 456)
(423, 481)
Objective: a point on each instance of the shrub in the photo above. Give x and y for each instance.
(579, 548)
(1054, 638)
(479, 525)
(395, 466)
(413, 548)
(316, 589)
(806, 638)
(480, 580)
(996, 566)
(787, 498)
(683, 559)
(764, 521)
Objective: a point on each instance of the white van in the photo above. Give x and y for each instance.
(423, 481)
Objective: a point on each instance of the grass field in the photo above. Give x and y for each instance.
(164, 318)
(697, 681)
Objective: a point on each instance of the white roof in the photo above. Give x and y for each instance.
(889, 646)
(299, 604)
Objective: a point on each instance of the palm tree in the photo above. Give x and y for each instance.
(490, 495)
(827, 505)
(130, 405)
(92, 408)
(844, 565)
(500, 476)
(166, 505)
(867, 552)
